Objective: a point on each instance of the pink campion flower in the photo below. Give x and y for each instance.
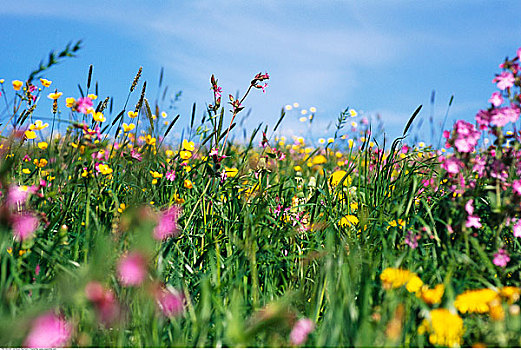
(483, 118)
(473, 221)
(502, 116)
(496, 99)
(107, 308)
(469, 207)
(452, 165)
(167, 225)
(135, 155)
(504, 81)
(501, 258)
(170, 176)
(516, 229)
(132, 269)
(516, 187)
(300, 331)
(466, 136)
(170, 301)
(479, 165)
(48, 331)
(83, 104)
(24, 226)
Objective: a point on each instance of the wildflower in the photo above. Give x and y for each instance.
(150, 140)
(395, 278)
(54, 95)
(48, 331)
(156, 176)
(496, 99)
(188, 184)
(128, 127)
(516, 186)
(501, 258)
(170, 302)
(98, 116)
(122, 208)
(30, 135)
(167, 225)
(42, 145)
(473, 221)
(132, 269)
(337, 176)
(92, 96)
(17, 84)
(38, 125)
(319, 159)
(394, 223)
(189, 146)
(104, 300)
(504, 81)
(433, 296)
(511, 293)
(132, 114)
(348, 220)
(170, 176)
(517, 228)
(83, 105)
(45, 82)
(301, 329)
(445, 328)
(353, 113)
(104, 169)
(475, 300)
(24, 226)
(185, 155)
(414, 284)
(69, 102)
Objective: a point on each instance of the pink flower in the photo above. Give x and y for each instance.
(170, 175)
(473, 221)
(24, 226)
(300, 331)
(516, 186)
(132, 269)
(107, 308)
(170, 302)
(83, 104)
(496, 99)
(137, 156)
(519, 53)
(167, 225)
(501, 258)
(503, 116)
(48, 331)
(466, 136)
(16, 195)
(451, 165)
(517, 229)
(469, 207)
(504, 81)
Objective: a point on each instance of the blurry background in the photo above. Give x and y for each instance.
(373, 56)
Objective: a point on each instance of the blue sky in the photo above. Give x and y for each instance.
(381, 57)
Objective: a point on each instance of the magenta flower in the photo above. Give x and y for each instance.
(170, 302)
(504, 81)
(469, 207)
(83, 104)
(516, 186)
(300, 331)
(502, 116)
(107, 308)
(132, 269)
(473, 221)
(496, 99)
(136, 155)
(16, 195)
(24, 226)
(452, 165)
(170, 176)
(167, 225)
(501, 258)
(48, 331)
(517, 228)
(466, 136)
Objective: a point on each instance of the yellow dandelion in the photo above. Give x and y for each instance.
(444, 327)
(337, 176)
(475, 300)
(414, 284)
(394, 278)
(319, 159)
(188, 184)
(433, 296)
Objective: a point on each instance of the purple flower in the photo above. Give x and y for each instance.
(501, 258)
(496, 99)
(170, 302)
(24, 226)
(167, 225)
(300, 331)
(132, 269)
(48, 331)
(504, 81)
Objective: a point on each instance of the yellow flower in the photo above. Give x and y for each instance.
(122, 208)
(132, 114)
(231, 172)
(92, 96)
(297, 168)
(511, 293)
(156, 175)
(40, 163)
(104, 169)
(69, 102)
(337, 176)
(445, 328)
(348, 220)
(45, 82)
(29, 134)
(38, 125)
(319, 159)
(2, 81)
(185, 155)
(189, 146)
(414, 284)
(150, 140)
(475, 300)
(169, 153)
(353, 206)
(129, 127)
(17, 84)
(98, 116)
(26, 171)
(395, 223)
(432, 296)
(188, 184)
(353, 113)
(42, 145)
(54, 95)
(395, 278)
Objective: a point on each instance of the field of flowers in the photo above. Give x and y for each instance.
(110, 236)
